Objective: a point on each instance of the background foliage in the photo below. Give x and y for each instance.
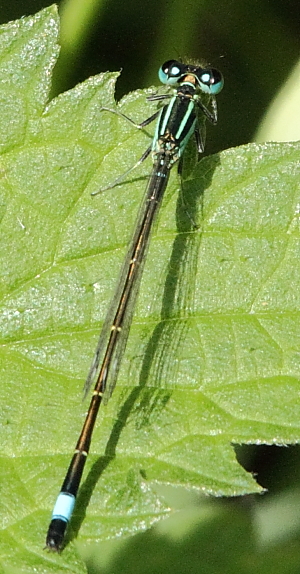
(255, 43)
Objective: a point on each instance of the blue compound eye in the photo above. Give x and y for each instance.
(211, 81)
(170, 72)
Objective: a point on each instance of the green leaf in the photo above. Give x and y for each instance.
(213, 354)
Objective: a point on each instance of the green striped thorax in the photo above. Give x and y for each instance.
(194, 88)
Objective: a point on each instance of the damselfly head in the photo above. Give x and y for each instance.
(210, 80)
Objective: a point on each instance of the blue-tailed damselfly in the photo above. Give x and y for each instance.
(177, 121)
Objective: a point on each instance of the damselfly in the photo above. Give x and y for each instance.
(180, 118)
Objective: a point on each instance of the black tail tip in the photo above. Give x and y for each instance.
(56, 534)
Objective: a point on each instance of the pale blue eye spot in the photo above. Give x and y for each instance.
(175, 71)
(205, 78)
